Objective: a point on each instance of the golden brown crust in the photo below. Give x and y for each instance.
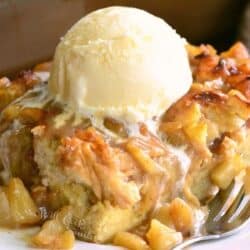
(210, 118)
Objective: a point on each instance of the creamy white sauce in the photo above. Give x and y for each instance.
(61, 119)
(43, 75)
(200, 216)
(37, 97)
(216, 83)
(184, 164)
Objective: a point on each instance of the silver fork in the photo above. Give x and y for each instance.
(229, 212)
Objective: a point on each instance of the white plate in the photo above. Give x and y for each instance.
(15, 240)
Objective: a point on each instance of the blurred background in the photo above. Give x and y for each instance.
(31, 29)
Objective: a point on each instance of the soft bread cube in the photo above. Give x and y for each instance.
(103, 221)
(239, 104)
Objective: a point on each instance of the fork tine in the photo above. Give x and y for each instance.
(220, 205)
(239, 210)
(229, 212)
(231, 208)
(232, 193)
(234, 205)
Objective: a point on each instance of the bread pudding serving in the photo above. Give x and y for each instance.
(125, 137)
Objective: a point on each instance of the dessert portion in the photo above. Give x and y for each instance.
(119, 147)
(120, 62)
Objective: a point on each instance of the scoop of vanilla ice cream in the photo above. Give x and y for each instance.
(120, 62)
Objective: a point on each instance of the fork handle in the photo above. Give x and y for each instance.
(195, 240)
